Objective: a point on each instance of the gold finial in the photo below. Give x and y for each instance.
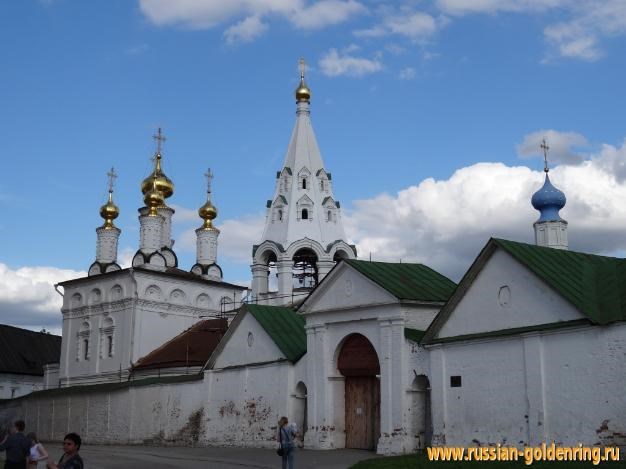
(544, 146)
(303, 93)
(163, 183)
(208, 212)
(109, 211)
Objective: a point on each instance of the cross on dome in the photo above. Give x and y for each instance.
(112, 177)
(160, 138)
(302, 65)
(209, 179)
(544, 146)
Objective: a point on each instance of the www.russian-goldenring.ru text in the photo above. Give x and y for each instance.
(529, 454)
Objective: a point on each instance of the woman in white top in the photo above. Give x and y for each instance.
(38, 454)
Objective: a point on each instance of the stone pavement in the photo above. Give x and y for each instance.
(160, 457)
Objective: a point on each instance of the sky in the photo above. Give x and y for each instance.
(429, 114)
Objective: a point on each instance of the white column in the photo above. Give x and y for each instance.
(533, 368)
(106, 246)
(323, 267)
(150, 233)
(259, 281)
(166, 233)
(285, 280)
(206, 246)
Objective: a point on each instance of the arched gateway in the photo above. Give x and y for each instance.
(358, 362)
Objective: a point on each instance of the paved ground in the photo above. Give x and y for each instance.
(158, 457)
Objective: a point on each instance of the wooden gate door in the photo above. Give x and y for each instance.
(362, 411)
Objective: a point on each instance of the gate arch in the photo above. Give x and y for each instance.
(358, 363)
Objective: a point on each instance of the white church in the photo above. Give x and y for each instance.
(529, 347)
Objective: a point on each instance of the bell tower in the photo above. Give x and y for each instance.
(304, 234)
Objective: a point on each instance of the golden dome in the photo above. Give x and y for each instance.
(109, 212)
(208, 212)
(158, 179)
(303, 93)
(153, 198)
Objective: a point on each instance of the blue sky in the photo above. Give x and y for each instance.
(428, 115)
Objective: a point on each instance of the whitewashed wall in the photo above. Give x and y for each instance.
(12, 385)
(565, 386)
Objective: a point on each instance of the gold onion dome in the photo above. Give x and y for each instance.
(158, 180)
(109, 212)
(303, 93)
(153, 198)
(208, 212)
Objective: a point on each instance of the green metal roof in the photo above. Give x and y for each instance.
(414, 335)
(595, 285)
(284, 326)
(407, 281)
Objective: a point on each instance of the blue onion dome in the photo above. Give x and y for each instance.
(548, 200)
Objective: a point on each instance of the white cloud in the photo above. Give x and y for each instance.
(201, 14)
(462, 7)
(236, 238)
(563, 146)
(326, 13)
(575, 37)
(335, 64)
(417, 26)
(247, 30)
(28, 298)
(407, 73)
(445, 223)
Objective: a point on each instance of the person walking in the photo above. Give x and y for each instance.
(38, 454)
(70, 459)
(285, 437)
(17, 447)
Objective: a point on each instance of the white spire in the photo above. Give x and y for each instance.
(303, 188)
(303, 233)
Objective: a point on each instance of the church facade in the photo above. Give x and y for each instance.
(381, 356)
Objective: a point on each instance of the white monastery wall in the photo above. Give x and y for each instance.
(13, 385)
(562, 386)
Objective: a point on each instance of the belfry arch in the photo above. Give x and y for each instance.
(305, 270)
(358, 363)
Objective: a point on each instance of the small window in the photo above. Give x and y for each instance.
(13, 391)
(305, 214)
(329, 216)
(455, 381)
(110, 345)
(280, 215)
(86, 349)
(303, 183)
(322, 184)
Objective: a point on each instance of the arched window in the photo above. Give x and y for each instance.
(86, 349)
(303, 183)
(305, 214)
(280, 215)
(329, 216)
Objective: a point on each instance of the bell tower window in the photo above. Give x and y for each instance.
(303, 183)
(305, 214)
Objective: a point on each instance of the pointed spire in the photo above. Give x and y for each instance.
(109, 211)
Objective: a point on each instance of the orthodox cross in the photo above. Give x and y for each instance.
(302, 68)
(112, 177)
(160, 138)
(209, 178)
(544, 146)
